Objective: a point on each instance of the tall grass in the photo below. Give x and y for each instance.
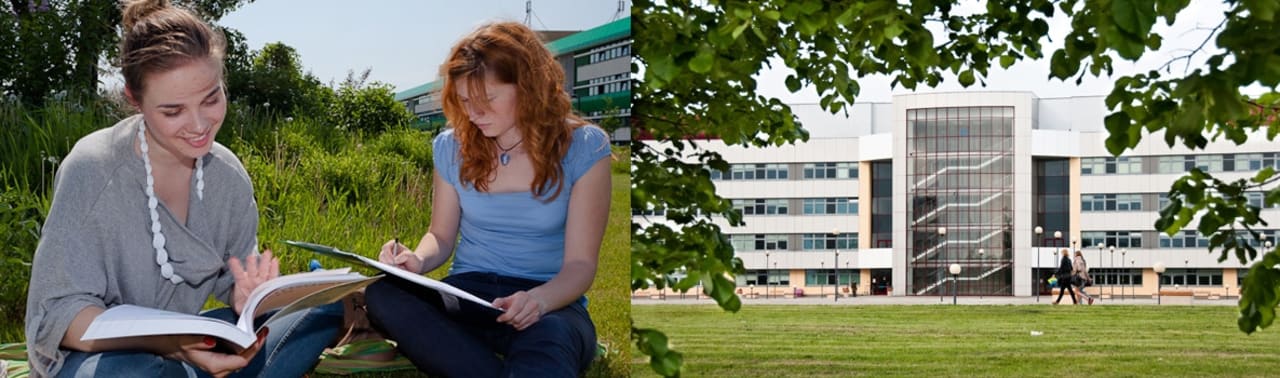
(312, 182)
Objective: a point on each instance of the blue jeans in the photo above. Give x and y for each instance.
(292, 348)
(465, 343)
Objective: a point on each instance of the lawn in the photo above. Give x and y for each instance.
(959, 341)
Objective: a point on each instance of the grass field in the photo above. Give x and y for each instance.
(770, 341)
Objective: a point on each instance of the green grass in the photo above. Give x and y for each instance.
(959, 341)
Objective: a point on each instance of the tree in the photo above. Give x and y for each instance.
(274, 81)
(369, 107)
(59, 46)
(699, 62)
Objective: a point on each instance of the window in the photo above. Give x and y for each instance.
(1185, 239)
(1111, 165)
(838, 205)
(761, 206)
(819, 277)
(658, 212)
(1113, 277)
(1111, 202)
(827, 241)
(755, 172)
(831, 170)
(761, 277)
(758, 242)
(1118, 239)
(1192, 277)
(1258, 200)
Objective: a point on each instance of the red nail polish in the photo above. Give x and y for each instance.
(210, 341)
(262, 334)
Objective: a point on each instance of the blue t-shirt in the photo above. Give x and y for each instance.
(515, 234)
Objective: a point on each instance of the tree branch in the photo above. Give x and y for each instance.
(1212, 32)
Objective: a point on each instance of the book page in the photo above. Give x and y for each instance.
(130, 320)
(443, 288)
(284, 290)
(332, 293)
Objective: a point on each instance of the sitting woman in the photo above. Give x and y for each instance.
(152, 212)
(526, 185)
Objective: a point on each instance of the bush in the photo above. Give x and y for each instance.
(370, 109)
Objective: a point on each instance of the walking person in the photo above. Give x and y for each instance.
(1080, 276)
(1065, 272)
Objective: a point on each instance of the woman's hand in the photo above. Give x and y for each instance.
(522, 309)
(252, 273)
(397, 254)
(198, 351)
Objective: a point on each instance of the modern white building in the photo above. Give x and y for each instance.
(885, 199)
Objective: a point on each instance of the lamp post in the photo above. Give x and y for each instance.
(822, 267)
(835, 237)
(1039, 277)
(1159, 268)
(981, 270)
(942, 236)
(768, 276)
(1125, 269)
(955, 274)
(1113, 262)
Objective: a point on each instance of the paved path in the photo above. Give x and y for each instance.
(889, 300)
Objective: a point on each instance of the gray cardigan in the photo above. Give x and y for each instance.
(95, 247)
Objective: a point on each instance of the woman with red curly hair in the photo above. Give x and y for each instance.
(525, 183)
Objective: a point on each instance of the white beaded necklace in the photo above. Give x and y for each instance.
(157, 237)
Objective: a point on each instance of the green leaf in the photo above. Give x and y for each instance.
(793, 83)
(1007, 61)
(701, 63)
(966, 78)
(1133, 16)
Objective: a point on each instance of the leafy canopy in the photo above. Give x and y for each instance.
(699, 60)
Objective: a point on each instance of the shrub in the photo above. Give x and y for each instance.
(21, 214)
(370, 109)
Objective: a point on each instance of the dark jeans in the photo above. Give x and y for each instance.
(292, 348)
(466, 343)
(1064, 285)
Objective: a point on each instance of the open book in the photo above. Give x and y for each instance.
(289, 294)
(447, 292)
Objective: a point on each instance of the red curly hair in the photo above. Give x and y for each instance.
(513, 54)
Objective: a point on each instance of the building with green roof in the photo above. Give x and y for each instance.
(597, 66)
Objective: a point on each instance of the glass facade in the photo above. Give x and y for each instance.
(882, 204)
(960, 177)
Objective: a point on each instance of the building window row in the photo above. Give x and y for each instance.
(619, 86)
(1110, 165)
(752, 172)
(1192, 277)
(1113, 277)
(610, 54)
(818, 277)
(762, 277)
(761, 206)
(1255, 199)
(828, 241)
(838, 205)
(842, 170)
(1218, 163)
(825, 170)
(1118, 239)
(1111, 202)
(644, 212)
(758, 242)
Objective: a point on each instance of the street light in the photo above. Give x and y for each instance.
(955, 273)
(835, 237)
(822, 267)
(1113, 264)
(981, 270)
(768, 276)
(942, 235)
(1159, 268)
(1125, 269)
(1039, 276)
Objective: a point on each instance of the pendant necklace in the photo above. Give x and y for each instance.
(503, 158)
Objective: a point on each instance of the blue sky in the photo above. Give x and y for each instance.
(402, 41)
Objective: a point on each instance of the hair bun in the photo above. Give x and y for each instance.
(139, 9)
